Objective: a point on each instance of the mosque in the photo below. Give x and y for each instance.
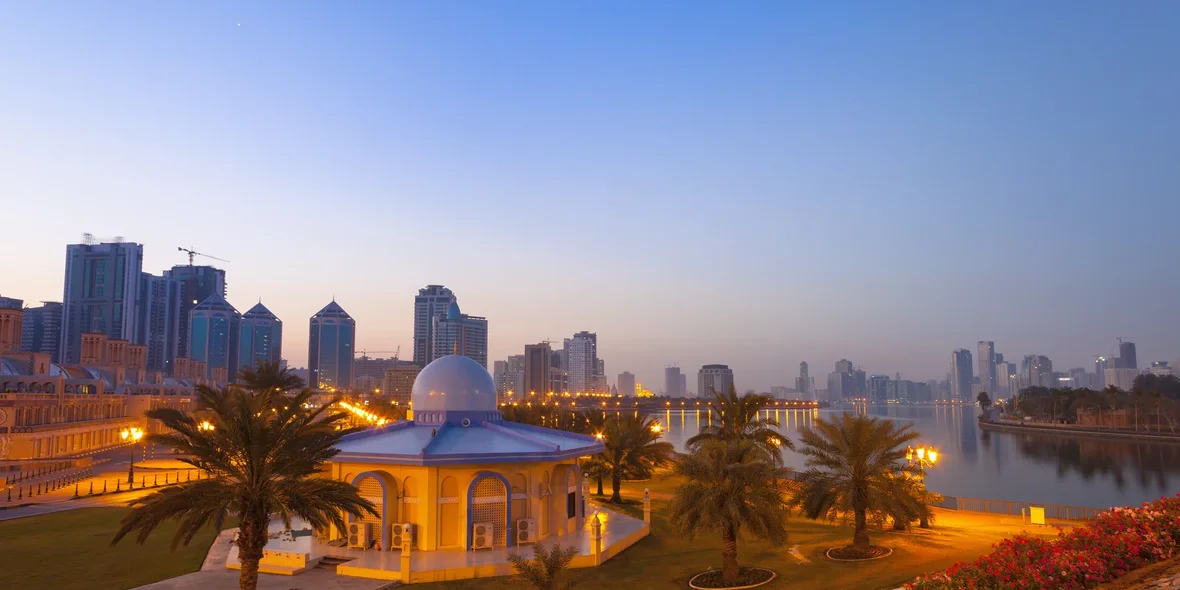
(458, 489)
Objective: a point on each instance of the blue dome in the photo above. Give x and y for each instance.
(453, 384)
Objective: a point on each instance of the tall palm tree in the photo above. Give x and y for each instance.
(270, 376)
(263, 457)
(984, 400)
(546, 570)
(731, 485)
(632, 448)
(856, 464)
(735, 417)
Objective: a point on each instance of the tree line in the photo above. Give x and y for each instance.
(1153, 403)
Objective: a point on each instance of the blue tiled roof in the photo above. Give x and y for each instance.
(488, 441)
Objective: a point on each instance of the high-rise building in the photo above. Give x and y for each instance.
(1037, 371)
(559, 380)
(714, 378)
(803, 382)
(213, 327)
(961, 375)
(1004, 373)
(880, 389)
(1127, 358)
(537, 365)
(41, 330)
(195, 284)
(261, 337)
(582, 356)
(1100, 367)
(12, 316)
(684, 385)
(431, 302)
(672, 382)
(399, 380)
(843, 366)
(461, 334)
(626, 384)
(1121, 378)
(100, 294)
(159, 321)
(331, 344)
(987, 366)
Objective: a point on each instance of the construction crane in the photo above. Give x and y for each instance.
(192, 253)
(396, 353)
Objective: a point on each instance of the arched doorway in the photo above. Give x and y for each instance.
(488, 503)
(381, 490)
(410, 499)
(566, 503)
(448, 513)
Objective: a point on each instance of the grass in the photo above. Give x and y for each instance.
(71, 550)
(666, 560)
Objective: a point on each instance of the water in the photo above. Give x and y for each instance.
(1051, 469)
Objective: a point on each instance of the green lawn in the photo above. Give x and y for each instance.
(71, 550)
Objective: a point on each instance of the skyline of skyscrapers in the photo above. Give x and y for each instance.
(331, 343)
(195, 283)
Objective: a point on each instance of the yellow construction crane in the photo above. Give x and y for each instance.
(192, 253)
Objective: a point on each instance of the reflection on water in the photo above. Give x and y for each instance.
(974, 463)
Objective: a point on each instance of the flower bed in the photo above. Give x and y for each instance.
(1114, 543)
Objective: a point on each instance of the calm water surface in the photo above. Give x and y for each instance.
(972, 463)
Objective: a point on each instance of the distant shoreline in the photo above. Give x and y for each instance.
(1080, 430)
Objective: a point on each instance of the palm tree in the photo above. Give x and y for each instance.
(737, 417)
(985, 401)
(633, 449)
(263, 457)
(270, 376)
(856, 464)
(731, 485)
(546, 571)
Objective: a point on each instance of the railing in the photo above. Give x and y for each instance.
(85, 484)
(1055, 511)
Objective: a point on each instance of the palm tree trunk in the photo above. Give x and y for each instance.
(729, 562)
(599, 485)
(860, 534)
(251, 541)
(616, 485)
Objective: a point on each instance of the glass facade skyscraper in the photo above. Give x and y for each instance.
(330, 348)
(261, 337)
(196, 284)
(213, 335)
(159, 321)
(100, 296)
(461, 334)
(41, 330)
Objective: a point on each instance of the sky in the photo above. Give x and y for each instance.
(748, 183)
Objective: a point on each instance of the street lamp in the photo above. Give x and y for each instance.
(205, 426)
(132, 435)
(922, 456)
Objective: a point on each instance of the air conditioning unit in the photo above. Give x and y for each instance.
(526, 531)
(400, 533)
(359, 535)
(482, 535)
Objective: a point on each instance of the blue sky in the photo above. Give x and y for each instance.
(746, 183)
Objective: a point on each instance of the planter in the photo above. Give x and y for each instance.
(877, 551)
(703, 580)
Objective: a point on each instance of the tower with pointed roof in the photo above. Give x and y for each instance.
(261, 337)
(330, 348)
(213, 335)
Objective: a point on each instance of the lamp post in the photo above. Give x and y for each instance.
(131, 435)
(922, 456)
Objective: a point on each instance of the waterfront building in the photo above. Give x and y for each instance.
(1005, 373)
(672, 382)
(804, 384)
(581, 354)
(261, 337)
(331, 344)
(213, 337)
(41, 330)
(626, 384)
(714, 378)
(961, 375)
(987, 366)
(194, 284)
(431, 302)
(462, 334)
(100, 293)
(881, 389)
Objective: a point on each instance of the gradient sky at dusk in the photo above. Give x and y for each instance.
(737, 182)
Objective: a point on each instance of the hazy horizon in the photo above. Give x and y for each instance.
(753, 184)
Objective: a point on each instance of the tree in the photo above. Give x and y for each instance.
(856, 464)
(546, 570)
(263, 457)
(632, 449)
(985, 401)
(731, 485)
(270, 376)
(736, 417)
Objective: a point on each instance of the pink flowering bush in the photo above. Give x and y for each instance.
(1114, 543)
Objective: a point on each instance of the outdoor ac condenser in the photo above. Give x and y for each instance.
(526, 531)
(358, 535)
(482, 535)
(401, 534)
